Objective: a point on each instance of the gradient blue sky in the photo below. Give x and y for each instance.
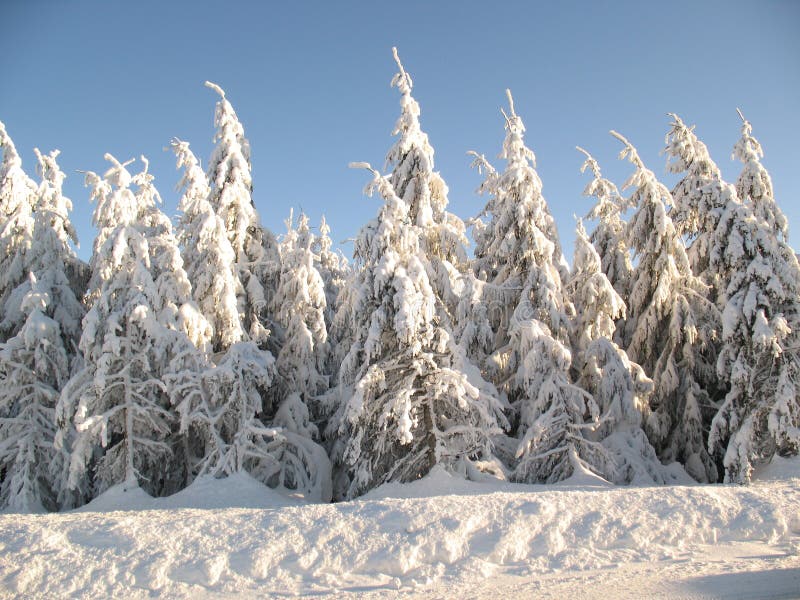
(310, 82)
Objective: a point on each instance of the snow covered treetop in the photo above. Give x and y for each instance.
(194, 179)
(514, 149)
(52, 204)
(402, 79)
(10, 156)
(685, 152)
(749, 151)
(148, 194)
(754, 184)
(115, 201)
(48, 168)
(229, 129)
(642, 177)
(16, 188)
(407, 125)
(609, 200)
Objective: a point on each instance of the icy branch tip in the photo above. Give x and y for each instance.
(113, 159)
(397, 59)
(511, 102)
(216, 88)
(360, 165)
(741, 116)
(579, 149)
(620, 137)
(676, 118)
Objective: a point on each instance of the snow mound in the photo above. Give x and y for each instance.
(478, 534)
(439, 482)
(779, 469)
(239, 490)
(124, 496)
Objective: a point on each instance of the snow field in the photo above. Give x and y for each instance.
(187, 545)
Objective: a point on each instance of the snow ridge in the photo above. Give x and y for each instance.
(381, 544)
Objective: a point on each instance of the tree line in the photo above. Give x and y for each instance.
(208, 346)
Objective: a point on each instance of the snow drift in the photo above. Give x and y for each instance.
(438, 533)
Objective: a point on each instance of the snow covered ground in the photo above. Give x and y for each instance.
(439, 537)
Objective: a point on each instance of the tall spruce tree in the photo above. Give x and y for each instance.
(415, 181)
(609, 235)
(754, 185)
(141, 317)
(34, 365)
(671, 326)
(519, 256)
(335, 272)
(760, 356)
(255, 250)
(619, 386)
(300, 299)
(208, 254)
(409, 399)
(700, 197)
(18, 198)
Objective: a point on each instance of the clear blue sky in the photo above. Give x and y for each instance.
(310, 82)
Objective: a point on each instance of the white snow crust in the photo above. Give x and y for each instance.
(439, 537)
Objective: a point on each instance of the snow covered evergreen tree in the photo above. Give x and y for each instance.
(335, 272)
(609, 235)
(208, 254)
(519, 182)
(410, 401)
(255, 250)
(18, 197)
(300, 299)
(619, 386)
(700, 199)
(754, 185)
(473, 328)
(141, 318)
(34, 366)
(671, 327)
(509, 248)
(519, 256)
(423, 189)
(48, 255)
(332, 267)
(760, 355)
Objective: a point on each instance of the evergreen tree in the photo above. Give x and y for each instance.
(59, 272)
(619, 387)
(473, 328)
(671, 327)
(410, 400)
(332, 267)
(254, 248)
(414, 180)
(33, 368)
(335, 273)
(609, 235)
(519, 256)
(754, 185)
(141, 318)
(511, 255)
(519, 176)
(700, 199)
(300, 299)
(759, 359)
(18, 197)
(208, 254)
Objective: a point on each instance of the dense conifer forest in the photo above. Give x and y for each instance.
(668, 347)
